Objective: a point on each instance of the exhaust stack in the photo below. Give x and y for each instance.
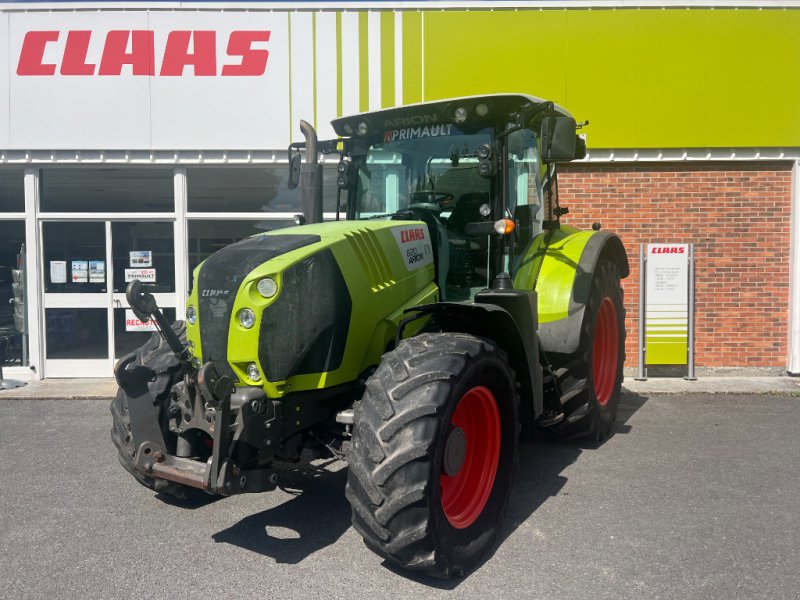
(311, 177)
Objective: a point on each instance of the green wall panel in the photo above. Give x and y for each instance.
(484, 52)
(645, 78)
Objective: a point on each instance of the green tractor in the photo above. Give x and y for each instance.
(443, 312)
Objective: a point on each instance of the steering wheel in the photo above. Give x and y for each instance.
(432, 200)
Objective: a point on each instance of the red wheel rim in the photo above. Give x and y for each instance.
(465, 493)
(605, 351)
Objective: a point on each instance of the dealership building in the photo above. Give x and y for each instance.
(136, 138)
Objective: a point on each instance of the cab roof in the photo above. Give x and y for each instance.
(499, 108)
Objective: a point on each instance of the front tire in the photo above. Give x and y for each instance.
(434, 447)
(157, 355)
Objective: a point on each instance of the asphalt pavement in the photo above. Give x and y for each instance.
(695, 496)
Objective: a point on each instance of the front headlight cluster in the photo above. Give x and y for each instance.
(267, 287)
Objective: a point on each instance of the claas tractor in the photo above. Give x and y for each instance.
(443, 313)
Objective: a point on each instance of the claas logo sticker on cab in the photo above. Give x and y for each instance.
(415, 246)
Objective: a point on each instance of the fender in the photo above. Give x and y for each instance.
(508, 318)
(564, 280)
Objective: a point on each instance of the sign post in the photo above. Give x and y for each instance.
(666, 307)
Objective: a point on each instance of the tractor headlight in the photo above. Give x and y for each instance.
(362, 128)
(482, 110)
(267, 287)
(252, 372)
(191, 315)
(460, 114)
(247, 318)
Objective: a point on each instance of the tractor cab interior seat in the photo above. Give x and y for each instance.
(466, 210)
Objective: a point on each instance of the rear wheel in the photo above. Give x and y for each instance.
(591, 379)
(434, 446)
(157, 355)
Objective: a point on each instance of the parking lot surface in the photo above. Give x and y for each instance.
(695, 496)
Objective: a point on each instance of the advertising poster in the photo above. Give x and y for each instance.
(133, 323)
(80, 271)
(97, 271)
(58, 271)
(141, 258)
(143, 275)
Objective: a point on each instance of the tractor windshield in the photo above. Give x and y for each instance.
(432, 167)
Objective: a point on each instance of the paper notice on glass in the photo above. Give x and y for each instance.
(134, 323)
(58, 271)
(141, 258)
(143, 275)
(80, 271)
(97, 271)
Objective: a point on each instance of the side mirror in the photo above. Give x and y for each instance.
(558, 139)
(294, 171)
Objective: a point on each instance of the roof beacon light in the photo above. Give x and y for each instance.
(460, 115)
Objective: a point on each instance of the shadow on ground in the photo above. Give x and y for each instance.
(318, 514)
(314, 517)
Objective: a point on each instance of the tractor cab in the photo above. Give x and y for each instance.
(471, 169)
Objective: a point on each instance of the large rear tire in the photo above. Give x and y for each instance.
(591, 379)
(434, 447)
(157, 355)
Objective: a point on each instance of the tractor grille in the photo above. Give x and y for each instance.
(305, 329)
(370, 256)
(218, 283)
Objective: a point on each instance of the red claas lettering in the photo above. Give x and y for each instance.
(135, 49)
(411, 235)
(668, 250)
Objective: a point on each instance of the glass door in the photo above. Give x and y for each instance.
(87, 265)
(76, 298)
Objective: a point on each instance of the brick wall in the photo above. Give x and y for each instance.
(737, 216)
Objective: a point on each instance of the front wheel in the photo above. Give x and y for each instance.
(434, 447)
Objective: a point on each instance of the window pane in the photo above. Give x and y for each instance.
(69, 249)
(12, 293)
(131, 189)
(143, 245)
(126, 341)
(12, 190)
(206, 237)
(251, 189)
(77, 333)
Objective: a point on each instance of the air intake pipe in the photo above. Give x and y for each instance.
(311, 177)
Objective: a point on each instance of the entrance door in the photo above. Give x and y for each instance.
(87, 264)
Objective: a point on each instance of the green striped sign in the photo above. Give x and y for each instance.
(667, 304)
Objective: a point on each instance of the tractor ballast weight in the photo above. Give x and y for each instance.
(414, 338)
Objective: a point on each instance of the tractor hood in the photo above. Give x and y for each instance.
(295, 334)
(218, 282)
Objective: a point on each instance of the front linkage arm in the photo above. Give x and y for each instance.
(206, 392)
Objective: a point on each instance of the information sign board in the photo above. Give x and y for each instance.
(667, 304)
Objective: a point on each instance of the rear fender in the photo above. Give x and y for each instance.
(507, 318)
(564, 282)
